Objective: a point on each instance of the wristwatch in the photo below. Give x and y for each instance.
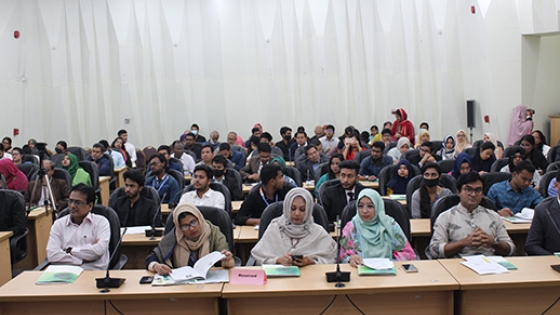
(69, 250)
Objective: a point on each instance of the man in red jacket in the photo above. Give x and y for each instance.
(402, 127)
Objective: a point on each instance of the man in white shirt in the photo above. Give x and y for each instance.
(81, 238)
(123, 134)
(329, 141)
(187, 160)
(203, 195)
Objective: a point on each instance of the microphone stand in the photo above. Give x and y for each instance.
(338, 276)
(109, 282)
(153, 232)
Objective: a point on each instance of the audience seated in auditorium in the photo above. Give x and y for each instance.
(544, 235)
(387, 137)
(61, 147)
(447, 151)
(403, 174)
(120, 147)
(301, 142)
(190, 144)
(255, 132)
(533, 154)
(483, 158)
(516, 154)
(4, 155)
(286, 142)
(7, 144)
(333, 172)
(165, 184)
(100, 159)
(195, 130)
(423, 198)
(423, 136)
(463, 142)
(313, 161)
(123, 134)
(116, 155)
(165, 150)
(426, 154)
(226, 177)
(250, 173)
(202, 195)
(79, 176)
(280, 162)
(59, 188)
(498, 151)
(514, 195)
(402, 127)
(329, 141)
(373, 234)
(371, 166)
(271, 190)
(81, 238)
(403, 145)
(192, 238)
(294, 233)
(462, 165)
(12, 214)
(15, 179)
(206, 155)
(236, 157)
(214, 140)
(134, 207)
(334, 198)
(351, 146)
(540, 143)
(17, 156)
(468, 228)
(179, 154)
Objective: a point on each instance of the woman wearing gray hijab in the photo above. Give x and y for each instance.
(294, 233)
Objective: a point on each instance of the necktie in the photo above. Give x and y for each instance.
(350, 196)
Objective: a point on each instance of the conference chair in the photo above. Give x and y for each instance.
(393, 209)
(119, 260)
(113, 180)
(79, 152)
(387, 173)
(140, 161)
(471, 151)
(322, 170)
(295, 174)
(18, 243)
(146, 192)
(57, 159)
(545, 181)
(216, 187)
(413, 156)
(30, 170)
(436, 145)
(446, 181)
(498, 164)
(553, 167)
(149, 151)
(3, 181)
(233, 172)
(216, 216)
(91, 168)
(446, 166)
(490, 179)
(322, 190)
(177, 161)
(63, 174)
(553, 154)
(358, 157)
(388, 147)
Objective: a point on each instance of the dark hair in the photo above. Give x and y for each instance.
(425, 123)
(176, 142)
(114, 141)
(1, 148)
(329, 126)
(425, 207)
(525, 165)
(511, 154)
(164, 147)
(62, 143)
(350, 164)
(99, 146)
(531, 140)
(221, 160)
(374, 127)
(284, 129)
(267, 136)
(255, 129)
(468, 178)
(209, 172)
(104, 143)
(19, 150)
(301, 129)
(387, 122)
(541, 145)
(207, 146)
(264, 147)
(135, 176)
(379, 145)
(26, 149)
(386, 131)
(364, 136)
(255, 140)
(269, 172)
(161, 158)
(121, 132)
(309, 147)
(196, 126)
(300, 132)
(339, 156)
(485, 146)
(86, 190)
(349, 130)
(428, 144)
(314, 141)
(190, 134)
(10, 140)
(224, 146)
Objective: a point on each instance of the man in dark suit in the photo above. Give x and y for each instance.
(134, 207)
(59, 188)
(309, 166)
(544, 235)
(100, 159)
(336, 197)
(12, 212)
(250, 173)
(226, 177)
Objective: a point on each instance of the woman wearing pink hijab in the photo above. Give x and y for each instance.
(15, 179)
(520, 125)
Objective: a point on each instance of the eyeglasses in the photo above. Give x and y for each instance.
(469, 190)
(78, 203)
(186, 227)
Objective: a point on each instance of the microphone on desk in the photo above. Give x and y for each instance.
(108, 282)
(153, 232)
(338, 276)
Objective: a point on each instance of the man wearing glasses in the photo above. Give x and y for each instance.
(468, 228)
(81, 238)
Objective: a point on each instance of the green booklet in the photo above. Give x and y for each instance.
(366, 271)
(279, 271)
(502, 262)
(59, 274)
(398, 197)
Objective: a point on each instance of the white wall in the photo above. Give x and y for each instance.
(165, 64)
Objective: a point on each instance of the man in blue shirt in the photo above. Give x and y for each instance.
(514, 195)
(100, 159)
(236, 157)
(165, 184)
(371, 166)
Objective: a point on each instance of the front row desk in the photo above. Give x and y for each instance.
(439, 287)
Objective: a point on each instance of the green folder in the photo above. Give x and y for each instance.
(365, 271)
(59, 274)
(279, 271)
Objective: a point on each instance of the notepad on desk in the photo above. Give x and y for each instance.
(525, 216)
(280, 271)
(377, 267)
(483, 265)
(213, 276)
(60, 274)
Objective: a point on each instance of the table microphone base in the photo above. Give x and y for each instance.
(338, 276)
(113, 283)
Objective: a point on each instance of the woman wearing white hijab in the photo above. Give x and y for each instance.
(294, 233)
(498, 152)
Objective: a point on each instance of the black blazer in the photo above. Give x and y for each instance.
(145, 211)
(12, 212)
(544, 237)
(334, 200)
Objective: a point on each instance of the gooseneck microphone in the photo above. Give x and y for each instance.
(108, 282)
(338, 276)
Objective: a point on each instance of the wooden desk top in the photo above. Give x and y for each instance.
(23, 288)
(5, 235)
(431, 276)
(517, 228)
(420, 227)
(121, 169)
(103, 179)
(533, 271)
(38, 213)
(139, 240)
(246, 234)
(165, 210)
(236, 205)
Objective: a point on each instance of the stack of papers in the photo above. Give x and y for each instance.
(525, 216)
(377, 267)
(484, 265)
